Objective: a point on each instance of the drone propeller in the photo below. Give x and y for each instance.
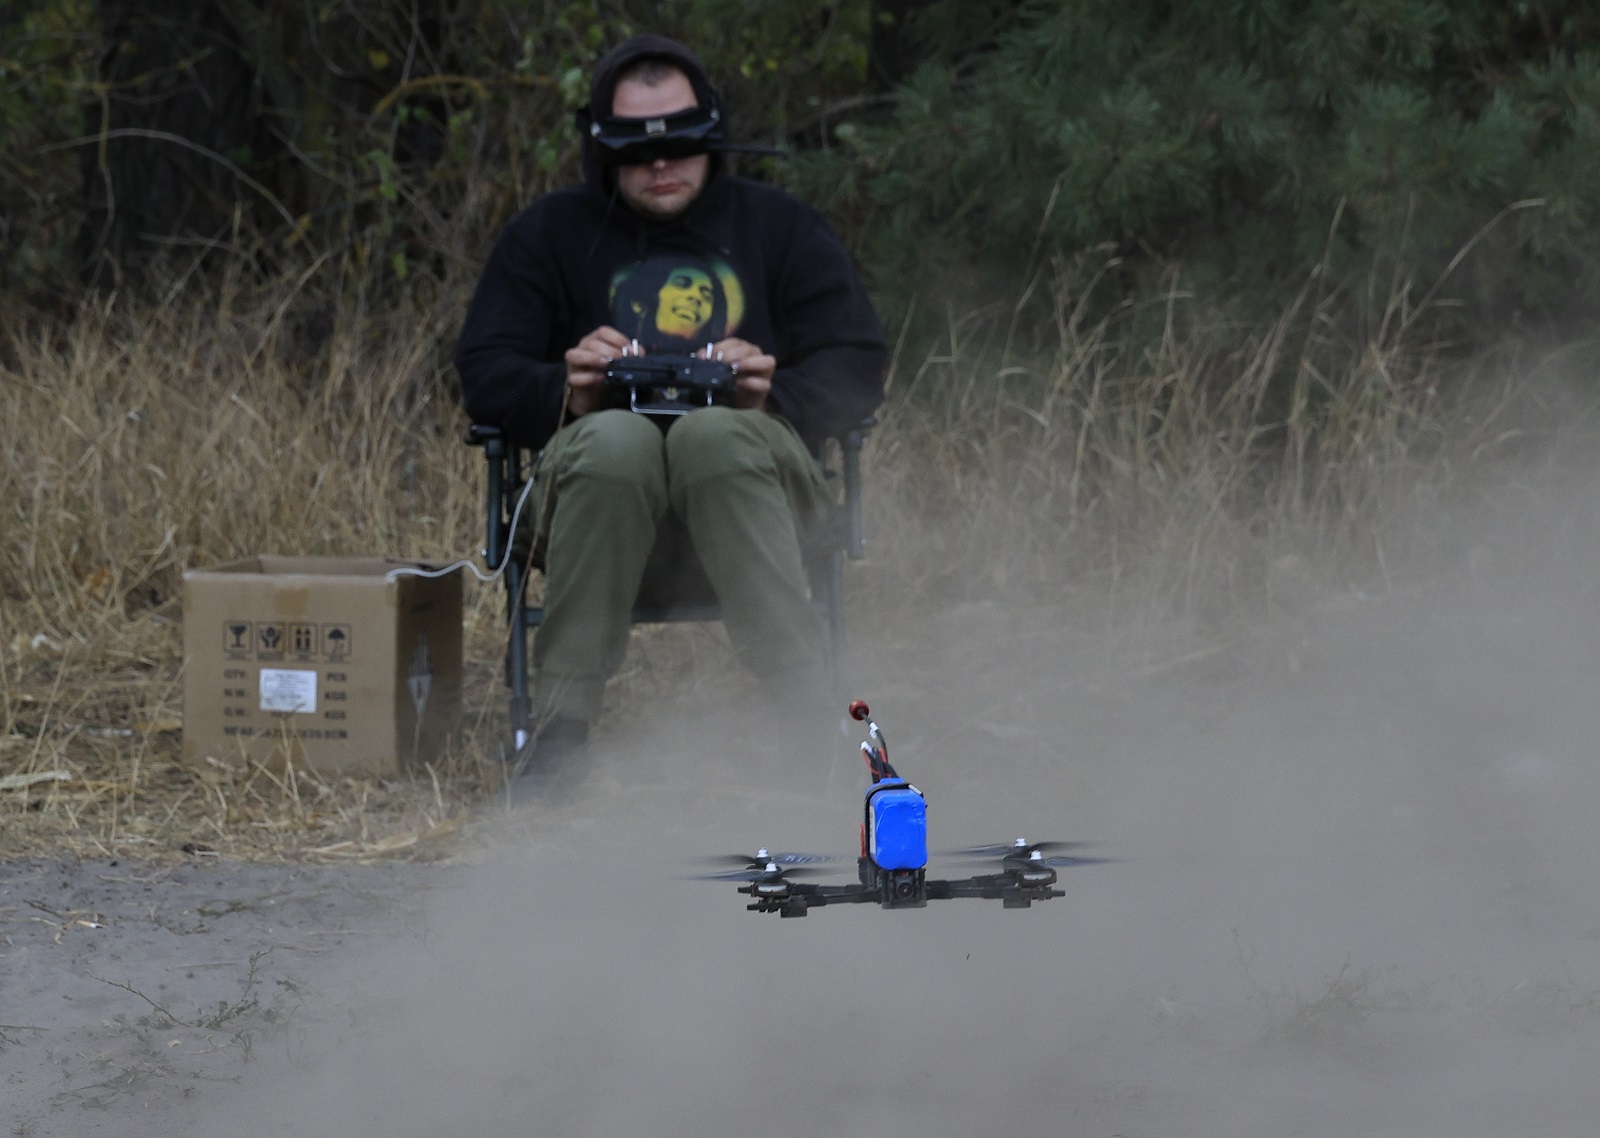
(769, 872)
(763, 857)
(769, 866)
(1032, 853)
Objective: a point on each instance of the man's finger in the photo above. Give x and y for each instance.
(585, 368)
(760, 365)
(608, 336)
(751, 391)
(590, 357)
(732, 349)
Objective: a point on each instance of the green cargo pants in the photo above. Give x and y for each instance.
(740, 482)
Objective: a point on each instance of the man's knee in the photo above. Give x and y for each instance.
(717, 442)
(614, 445)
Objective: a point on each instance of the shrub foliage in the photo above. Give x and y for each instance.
(1245, 142)
(1250, 141)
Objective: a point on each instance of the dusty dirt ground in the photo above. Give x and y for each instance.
(1356, 896)
(129, 990)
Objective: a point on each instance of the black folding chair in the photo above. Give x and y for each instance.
(824, 548)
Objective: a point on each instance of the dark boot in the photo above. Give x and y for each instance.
(552, 764)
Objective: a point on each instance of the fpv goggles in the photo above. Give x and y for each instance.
(628, 142)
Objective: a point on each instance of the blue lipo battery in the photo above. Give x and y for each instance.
(897, 825)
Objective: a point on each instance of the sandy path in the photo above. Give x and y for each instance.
(240, 957)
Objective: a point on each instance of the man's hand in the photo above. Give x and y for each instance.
(586, 368)
(752, 368)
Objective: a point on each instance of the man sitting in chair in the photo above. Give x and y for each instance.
(663, 251)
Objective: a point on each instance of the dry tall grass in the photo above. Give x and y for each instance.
(1157, 476)
(1184, 472)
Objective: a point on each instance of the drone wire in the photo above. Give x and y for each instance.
(872, 762)
(877, 754)
(882, 741)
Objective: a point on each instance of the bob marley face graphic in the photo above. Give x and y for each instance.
(676, 302)
(685, 303)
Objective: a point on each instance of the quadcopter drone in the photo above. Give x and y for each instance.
(893, 865)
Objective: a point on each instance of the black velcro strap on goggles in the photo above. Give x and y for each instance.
(627, 141)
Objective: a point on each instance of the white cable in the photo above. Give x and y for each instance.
(487, 579)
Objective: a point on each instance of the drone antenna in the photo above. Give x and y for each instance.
(877, 751)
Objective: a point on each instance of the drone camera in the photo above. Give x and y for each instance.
(902, 889)
(905, 887)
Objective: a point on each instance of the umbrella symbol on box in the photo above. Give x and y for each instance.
(336, 641)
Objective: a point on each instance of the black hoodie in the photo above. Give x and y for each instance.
(743, 260)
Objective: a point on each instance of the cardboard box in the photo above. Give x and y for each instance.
(329, 662)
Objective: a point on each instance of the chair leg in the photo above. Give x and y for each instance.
(517, 658)
(836, 629)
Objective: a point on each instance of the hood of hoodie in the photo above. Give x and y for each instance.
(603, 85)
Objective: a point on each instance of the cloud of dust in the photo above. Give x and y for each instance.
(1356, 898)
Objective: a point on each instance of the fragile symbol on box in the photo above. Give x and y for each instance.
(289, 690)
(236, 638)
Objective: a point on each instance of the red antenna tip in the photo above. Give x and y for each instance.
(859, 710)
